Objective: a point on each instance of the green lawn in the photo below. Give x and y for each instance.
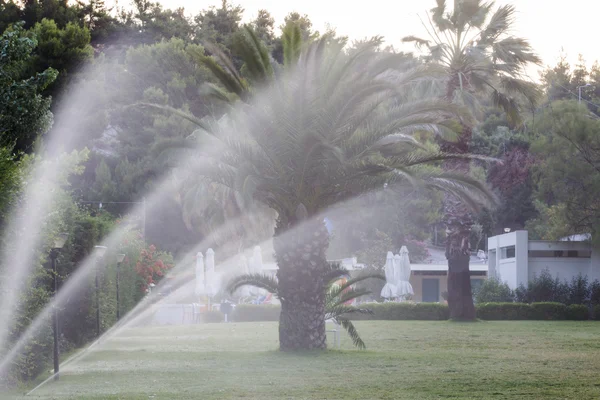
(404, 360)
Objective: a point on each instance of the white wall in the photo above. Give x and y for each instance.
(507, 272)
(521, 256)
(564, 268)
(513, 270)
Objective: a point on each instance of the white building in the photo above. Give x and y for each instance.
(515, 259)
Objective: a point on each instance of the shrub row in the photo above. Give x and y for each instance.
(405, 311)
(542, 288)
(439, 312)
(533, 311)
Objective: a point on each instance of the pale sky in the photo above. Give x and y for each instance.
(549, 25)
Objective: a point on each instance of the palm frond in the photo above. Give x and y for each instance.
(224, 71)
(292, 44)
(212, 90)
(262, 281)
(334, 272)
(185, 115)
(336, 299)
(419, 43)
(499, 24)
(471, 191)
(254, 54)
(529, 90)
(352, 332)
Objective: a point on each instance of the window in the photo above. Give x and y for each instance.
(507, 252)
(561, 253)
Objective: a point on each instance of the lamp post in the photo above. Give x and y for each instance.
(100, 250)
(120, 258)
(59, 242)
(579, 89)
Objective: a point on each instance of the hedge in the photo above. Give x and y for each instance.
(438, 312)
(578, 312)
(504, 311)
(548, 311)
(596, 312)
(255, 312)
(405, 311)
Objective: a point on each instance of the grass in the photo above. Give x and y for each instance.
(404, 360)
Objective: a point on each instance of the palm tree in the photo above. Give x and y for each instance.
(336, 296)
(481, 59)
(258, 68)
(331, 127)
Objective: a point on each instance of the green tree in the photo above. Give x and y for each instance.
(567, 176)
(557, 80)
(150, 23)
(482, 60)
(317, 138)
(264, 25)
(24, 111)
(218, 25)
(63, 49)
(138, 147)
(10, 13)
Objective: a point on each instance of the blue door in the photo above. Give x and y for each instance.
(431, 290)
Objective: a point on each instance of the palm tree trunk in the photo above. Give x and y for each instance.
(300, 254)
(458, 221)
(458, 253)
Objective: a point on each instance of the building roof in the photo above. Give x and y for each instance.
(444, 267)
(438, 256)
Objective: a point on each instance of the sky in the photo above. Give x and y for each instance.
(549, 25)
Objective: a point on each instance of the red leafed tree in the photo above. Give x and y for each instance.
(513, 171)
(151, 267)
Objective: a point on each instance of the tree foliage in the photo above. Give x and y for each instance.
(24, 110)
(567, 175)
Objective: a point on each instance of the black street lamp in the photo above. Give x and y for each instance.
(59, 242)
(100, 250)
(120, 258)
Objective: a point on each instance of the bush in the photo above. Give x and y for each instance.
(494, 291)
(578, 312)
(504, 311)
(255, 312)
(595, 293)
(579, 290)
(548, 311)
(596, 312)
(543, 288)
(405, 311)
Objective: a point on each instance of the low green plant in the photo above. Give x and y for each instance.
(405, 311)
(578, 312)
(494, 291)
(548, 311)
(497, 311)
(596, 312)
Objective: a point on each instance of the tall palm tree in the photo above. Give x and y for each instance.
(481, 61)
(336, 296)
(331, 127)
